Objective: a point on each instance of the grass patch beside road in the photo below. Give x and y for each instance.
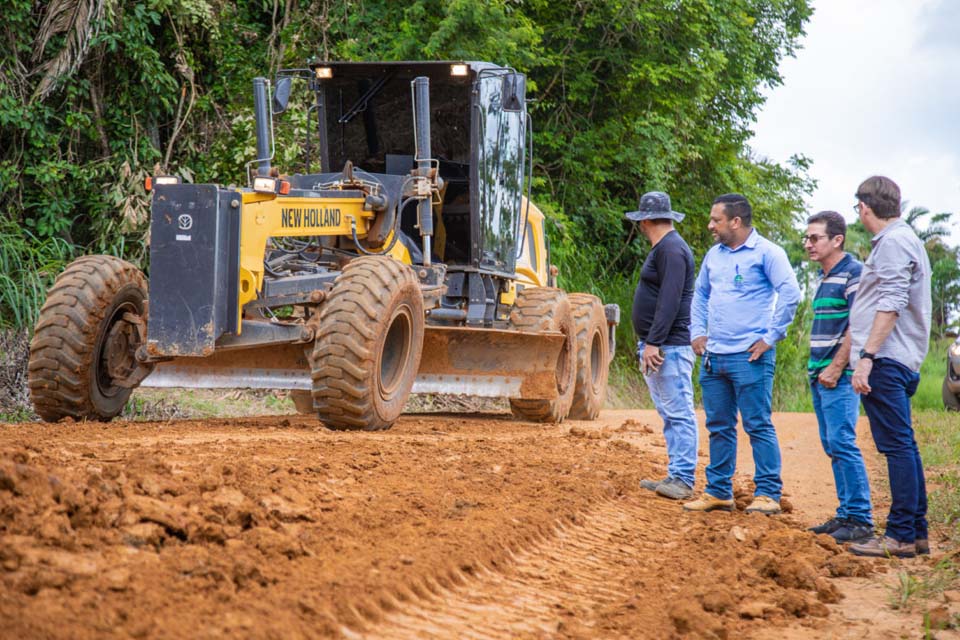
(921, 585)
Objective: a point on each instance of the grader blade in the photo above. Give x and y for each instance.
(282, 366)
(489, 362)
(456, 360)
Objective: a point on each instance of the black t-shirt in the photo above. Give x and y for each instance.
(661, 303)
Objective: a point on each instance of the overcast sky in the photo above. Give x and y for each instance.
(874, 90)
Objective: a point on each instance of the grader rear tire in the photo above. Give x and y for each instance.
(81, 328)
(546, 309)
(366, 357)
(593, 356)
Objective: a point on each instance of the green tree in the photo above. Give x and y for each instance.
(944, 284)
(944, 259)
(627, 96)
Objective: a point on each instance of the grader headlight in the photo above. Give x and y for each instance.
(156, 180)
(263, 184)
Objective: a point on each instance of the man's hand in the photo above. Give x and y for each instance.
(757, 349)
(699, 345)
(829, 377)
(861, 376)
(651, 359)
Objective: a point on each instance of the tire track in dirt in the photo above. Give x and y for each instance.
(556, 582)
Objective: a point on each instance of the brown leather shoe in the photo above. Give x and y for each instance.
(765, 505)
(707, 502)
(884, 547)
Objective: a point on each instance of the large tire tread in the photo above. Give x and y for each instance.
(590, 390)
(538, 310)
(350, 337)
(65, 340)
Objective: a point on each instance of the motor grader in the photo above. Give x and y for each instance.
(406, 257)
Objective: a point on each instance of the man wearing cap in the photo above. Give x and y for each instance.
(744, 299)
(661, 320)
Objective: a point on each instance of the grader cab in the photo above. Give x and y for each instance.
(410, 260)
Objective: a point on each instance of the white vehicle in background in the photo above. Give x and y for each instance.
(951, 381)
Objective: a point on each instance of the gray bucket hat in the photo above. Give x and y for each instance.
(654, 205)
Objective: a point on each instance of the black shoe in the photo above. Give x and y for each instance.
(829, 526)
(853, 531)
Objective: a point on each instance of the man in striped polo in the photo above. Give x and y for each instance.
(835, 402)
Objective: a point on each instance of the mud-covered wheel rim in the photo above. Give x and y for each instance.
(564, 376)
(596, 359)
(395, 355)
(116, 349)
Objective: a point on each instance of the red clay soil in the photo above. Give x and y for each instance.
(445, 526)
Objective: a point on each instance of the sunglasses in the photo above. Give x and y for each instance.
(813, 238)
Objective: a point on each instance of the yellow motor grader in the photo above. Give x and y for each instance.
(411, 260)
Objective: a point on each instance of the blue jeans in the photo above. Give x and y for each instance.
(837, 410)
(730, 383)
(888, 408)
(672, 391)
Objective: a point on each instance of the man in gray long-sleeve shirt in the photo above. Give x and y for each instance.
(889, 334)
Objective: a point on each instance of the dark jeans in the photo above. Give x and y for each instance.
(888, 408)
(730, 384)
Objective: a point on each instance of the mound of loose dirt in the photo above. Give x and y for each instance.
(275, 527)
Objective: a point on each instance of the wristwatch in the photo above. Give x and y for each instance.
(867, 355)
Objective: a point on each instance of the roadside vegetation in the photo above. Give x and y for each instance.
(626, 97)
(932, 588)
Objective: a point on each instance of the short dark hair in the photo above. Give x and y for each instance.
(880, 194)
(835, 224)
(736, 206)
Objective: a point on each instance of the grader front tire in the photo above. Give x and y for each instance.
(367, 354)
(80, 331)
(593, 356)
(546, 309)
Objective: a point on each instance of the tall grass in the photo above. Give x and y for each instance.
(27, 269)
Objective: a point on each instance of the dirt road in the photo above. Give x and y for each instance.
(445, 526)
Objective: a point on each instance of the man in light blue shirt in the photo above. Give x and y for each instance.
(743, 301)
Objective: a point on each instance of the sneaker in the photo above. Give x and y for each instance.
(675, 489)
(765, 505)
(923, 546)
(829, 526)
(707, 502)
(853, 531)
(651, 485)
(884, 547)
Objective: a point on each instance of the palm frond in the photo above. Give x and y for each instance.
(939, 218)
(78, 21)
